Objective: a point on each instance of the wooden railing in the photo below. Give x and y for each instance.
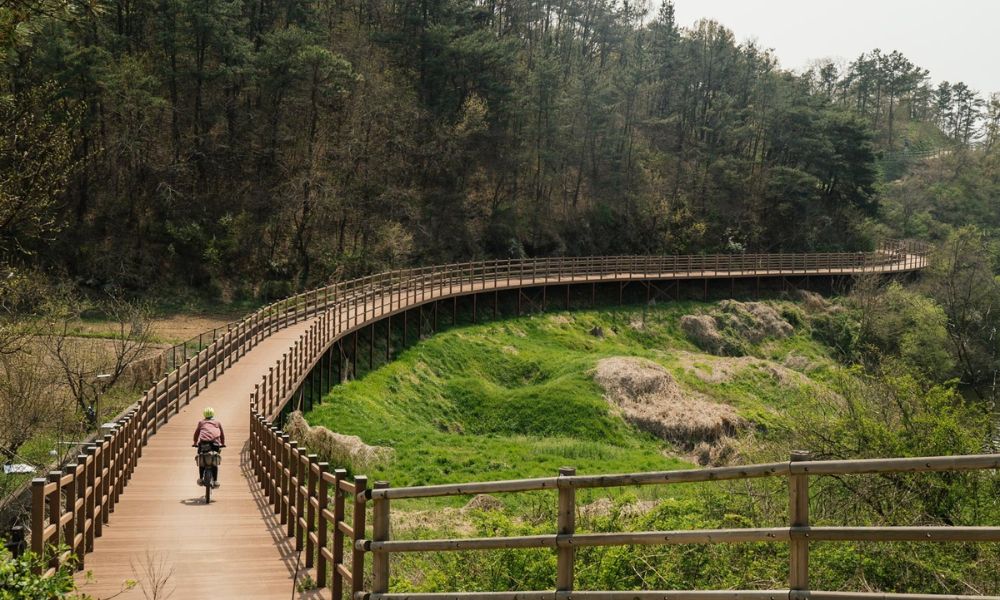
(101, 473)
(355, 304)
(300, 488)
(565, 540)
(70, 506)
(311, 499)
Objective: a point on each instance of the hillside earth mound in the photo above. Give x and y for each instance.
(650, 398)
(732, 326)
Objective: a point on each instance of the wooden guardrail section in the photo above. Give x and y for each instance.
(70, 506)
(300, 488)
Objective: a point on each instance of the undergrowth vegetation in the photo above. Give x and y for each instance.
(518, 398)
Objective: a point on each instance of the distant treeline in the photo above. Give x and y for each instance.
(254, 146)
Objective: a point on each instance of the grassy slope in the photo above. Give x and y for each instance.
(516, 398)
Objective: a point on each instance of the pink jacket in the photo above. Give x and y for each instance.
(209, 430)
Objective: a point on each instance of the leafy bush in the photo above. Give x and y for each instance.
(19, 581)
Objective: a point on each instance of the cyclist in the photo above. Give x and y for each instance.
(208, 437)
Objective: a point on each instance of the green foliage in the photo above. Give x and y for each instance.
(508, 399)
(905, 324)
(36, 162)
(478, 403)
(19, 579)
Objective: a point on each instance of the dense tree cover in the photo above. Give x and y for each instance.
(249, 148)
(248, 145)
(899, 101)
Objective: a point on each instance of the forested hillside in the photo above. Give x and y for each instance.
(248, 148)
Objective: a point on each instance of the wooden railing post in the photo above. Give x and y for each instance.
(54, 509)
(281, 460)
(798, 515)
(311, 496)
(322, 525)
(301, 470)
(291, 485)
(80, 536)
(337, 588)
(92, 494)
(567, 526)
(68, 534)
(38, 516)
(358, 554)
(380, 533)
(271, 477)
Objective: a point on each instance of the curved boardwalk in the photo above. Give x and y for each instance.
(235, 547)
(232, 548)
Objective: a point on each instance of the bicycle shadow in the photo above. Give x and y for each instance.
(196, 501)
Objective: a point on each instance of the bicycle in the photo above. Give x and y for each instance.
(208, 458)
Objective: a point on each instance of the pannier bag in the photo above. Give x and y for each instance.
(208, 459)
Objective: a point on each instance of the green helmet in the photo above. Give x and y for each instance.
(209, 412)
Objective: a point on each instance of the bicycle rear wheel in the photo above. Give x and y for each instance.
(208, 485)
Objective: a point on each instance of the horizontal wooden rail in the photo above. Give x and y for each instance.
(829, 467)
(701, 536)
(670, 595)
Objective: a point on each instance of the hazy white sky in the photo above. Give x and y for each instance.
(957, 40)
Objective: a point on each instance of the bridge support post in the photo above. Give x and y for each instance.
(354, 358)
(798, 516)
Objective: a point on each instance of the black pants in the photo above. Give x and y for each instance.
(204, 447)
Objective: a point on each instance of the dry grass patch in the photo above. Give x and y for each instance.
(651, 399)
(715, 369)
(603, 507)
(337, 449)
(733, 325)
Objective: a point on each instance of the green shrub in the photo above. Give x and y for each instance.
(19, 581)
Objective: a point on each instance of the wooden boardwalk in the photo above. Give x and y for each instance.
(235, 547)
(232, 548)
